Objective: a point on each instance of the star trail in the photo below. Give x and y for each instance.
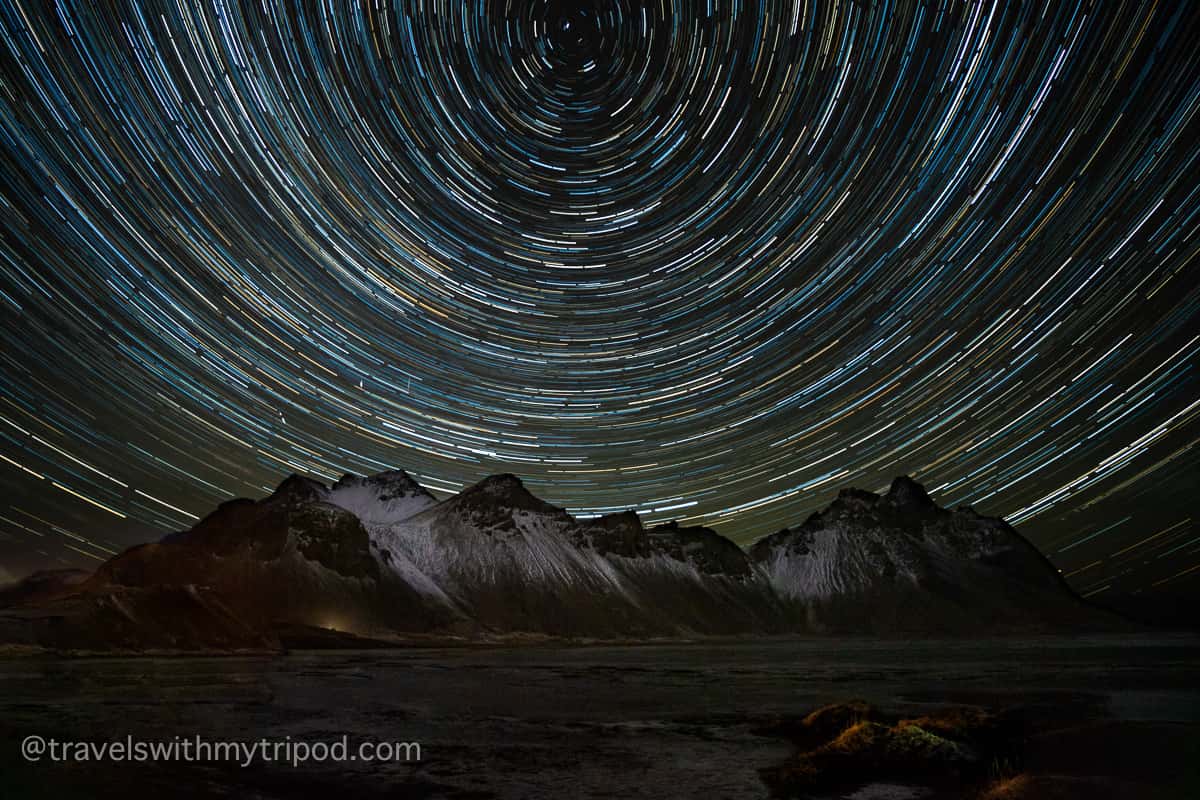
(709, 260)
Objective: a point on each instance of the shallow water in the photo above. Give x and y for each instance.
(670, 720)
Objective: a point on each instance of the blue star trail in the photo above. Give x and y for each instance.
(709, 260)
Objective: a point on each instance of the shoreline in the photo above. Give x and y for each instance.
(534, 642)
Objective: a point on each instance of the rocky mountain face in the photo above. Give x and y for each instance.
(512, 562)
(380, 557)
(898, 562)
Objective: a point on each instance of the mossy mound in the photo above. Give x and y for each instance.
(849, 744)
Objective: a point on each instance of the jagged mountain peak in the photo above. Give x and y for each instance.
(859, 496)
(504, 490)
(907, 494)
(396, 480)
(703, 547)
(502, 482)
(386, 498)
(906, 502)
(899, 561)
(619, 519)
(905, 508)
(300, 489)
(620, 533)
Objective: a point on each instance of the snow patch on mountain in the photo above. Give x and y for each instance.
(525, 547)
(364, 502)
(384, 499)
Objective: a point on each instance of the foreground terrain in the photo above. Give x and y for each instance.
(1102, 717)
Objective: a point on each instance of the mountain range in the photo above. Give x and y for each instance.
(371, 559)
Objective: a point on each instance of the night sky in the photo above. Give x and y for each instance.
(707, 260)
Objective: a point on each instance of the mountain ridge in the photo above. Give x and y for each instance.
(380, 556)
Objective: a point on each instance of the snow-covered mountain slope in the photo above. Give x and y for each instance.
(383, 499)
(380, 555)
(898, 562)
(294, 557)
(513, 562)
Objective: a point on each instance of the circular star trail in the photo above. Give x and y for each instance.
(708, 260)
